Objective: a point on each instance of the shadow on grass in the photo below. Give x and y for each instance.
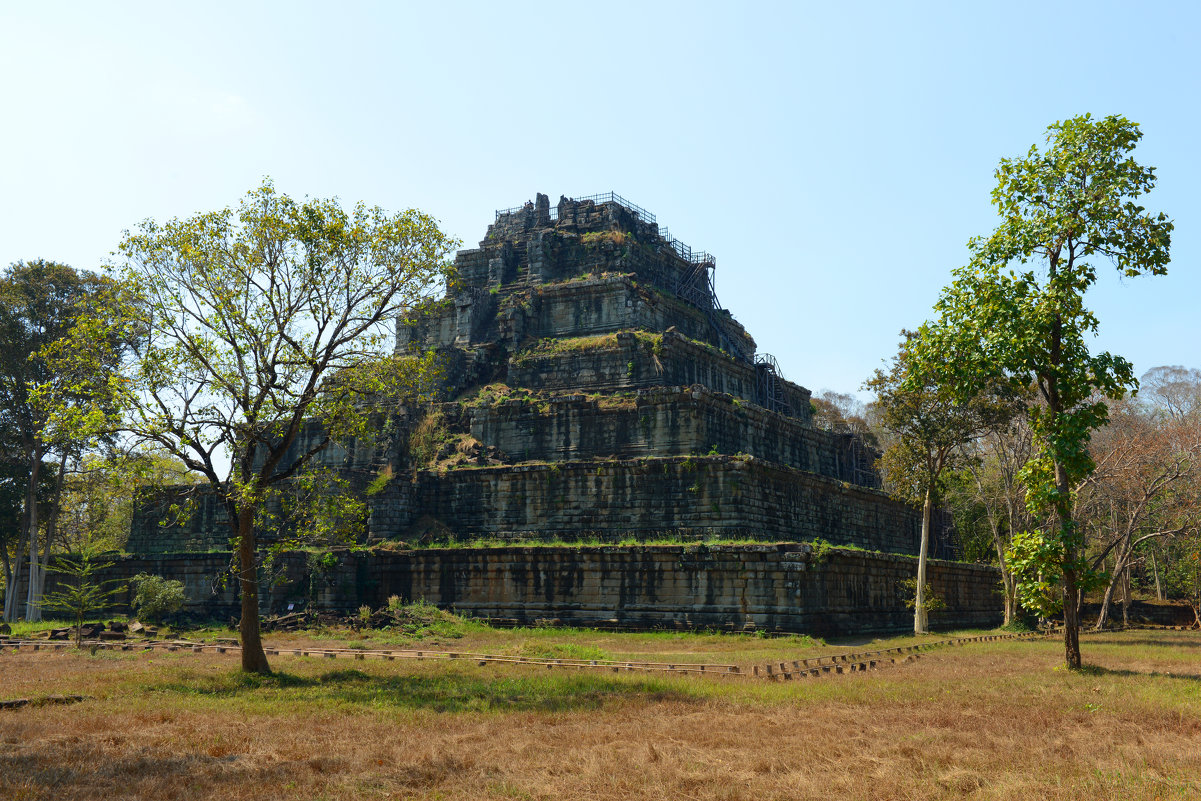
(1097, 670)
(1177, 642)
(444, 692)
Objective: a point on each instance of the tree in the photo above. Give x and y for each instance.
(929, 422)
(101, 489)
(40, 304)
(82, 591)
(156, 598)
(1172, 390)
(1142, 491)
(842, 413)
(994, 463)
(255, 322)
(1060, 208)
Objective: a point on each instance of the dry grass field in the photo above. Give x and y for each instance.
(988, 720)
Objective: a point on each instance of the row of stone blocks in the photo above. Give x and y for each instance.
(768, 587)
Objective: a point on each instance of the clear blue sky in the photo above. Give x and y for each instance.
(835, 157)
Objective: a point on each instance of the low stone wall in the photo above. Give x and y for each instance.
(773, 587)
(1157, 613)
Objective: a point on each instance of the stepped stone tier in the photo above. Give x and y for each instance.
(594, 391)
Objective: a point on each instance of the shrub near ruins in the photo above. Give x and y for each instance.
(156, 598)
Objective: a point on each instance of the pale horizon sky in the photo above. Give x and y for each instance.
(835, 158)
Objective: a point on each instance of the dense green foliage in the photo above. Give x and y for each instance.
(81, 591)
(48, 410)
(1016, 312)
(156, 598)
(253, 322)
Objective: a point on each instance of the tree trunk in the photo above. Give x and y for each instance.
(1126, 593)
(1010, 586)
(1071, 553)
(51, 529)
(920, 625)
(33, 612)
(1103, 615)
(254, 659)
(1071, 620)
(10, 590)
(1009, 591)
(1159, 594)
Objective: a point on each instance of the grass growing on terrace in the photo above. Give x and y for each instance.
(546, 347)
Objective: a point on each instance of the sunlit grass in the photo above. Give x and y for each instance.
(988, 720)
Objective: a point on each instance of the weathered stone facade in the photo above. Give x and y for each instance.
(594, 390)
(775, 587)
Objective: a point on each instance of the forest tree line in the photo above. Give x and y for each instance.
(1141, 508)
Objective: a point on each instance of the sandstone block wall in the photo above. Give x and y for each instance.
(694, 497)
(580, 307)
(776, 587)
(670, 421)
(691, 497)
(635, 361)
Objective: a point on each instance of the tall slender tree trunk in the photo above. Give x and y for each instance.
(33, 612)
(1009, 591)
(1103, 615)
(1119, 579)
(1159, 594)
(1071, 587)
(12, 589)
(1126, 593)
(11, 570)
(920, 624)
(51, 529)
(1010, 587)
(254, 659)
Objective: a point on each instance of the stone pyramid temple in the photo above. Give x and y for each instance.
(595, 390)
(606, 447)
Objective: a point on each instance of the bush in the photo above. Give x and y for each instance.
(156, 598)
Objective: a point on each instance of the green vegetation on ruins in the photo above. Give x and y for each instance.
(547, 347)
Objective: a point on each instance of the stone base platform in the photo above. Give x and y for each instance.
(785, 587)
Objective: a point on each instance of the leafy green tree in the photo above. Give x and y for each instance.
(100, 492)
(255, 322)
(929, 421)
(1017, 311)
(156, 598)
(81, 591)
(41, 302)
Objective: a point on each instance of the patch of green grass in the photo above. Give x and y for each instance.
(22, 629)
(446, 688)
(590, 540)
(562, 650)
(547, 347)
